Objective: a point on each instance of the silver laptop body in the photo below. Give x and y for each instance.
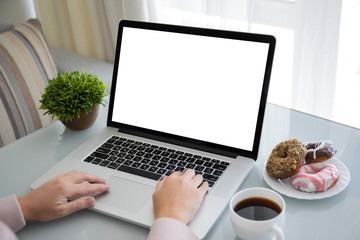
(192, 91)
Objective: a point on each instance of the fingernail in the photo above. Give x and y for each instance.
(90, 201)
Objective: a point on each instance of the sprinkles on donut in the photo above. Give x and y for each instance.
(286, 159)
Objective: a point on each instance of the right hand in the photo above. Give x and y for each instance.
(179, 196)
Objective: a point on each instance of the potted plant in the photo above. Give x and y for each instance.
(74, 99)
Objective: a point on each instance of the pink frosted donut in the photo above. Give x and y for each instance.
(315, 177)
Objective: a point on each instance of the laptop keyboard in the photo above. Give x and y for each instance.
(153, 161)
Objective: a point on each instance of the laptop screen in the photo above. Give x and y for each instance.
(190, 86)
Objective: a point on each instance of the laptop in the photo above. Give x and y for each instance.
(181, 97)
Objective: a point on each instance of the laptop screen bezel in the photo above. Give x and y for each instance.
(184, 141)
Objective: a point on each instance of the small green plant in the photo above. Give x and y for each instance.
(71, 93)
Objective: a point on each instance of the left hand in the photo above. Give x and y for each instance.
(50, 200)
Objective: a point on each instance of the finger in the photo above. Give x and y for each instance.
(80, 177)
(161, 183)
(203, 188)
(197, 180)
(86, 188)
(190, 173)
(177, 173)
(76, 205)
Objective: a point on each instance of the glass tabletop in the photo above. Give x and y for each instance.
(336, 217)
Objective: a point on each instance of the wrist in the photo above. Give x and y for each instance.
(172, 216)
(25, 208)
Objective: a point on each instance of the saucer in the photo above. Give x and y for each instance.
(285, 187)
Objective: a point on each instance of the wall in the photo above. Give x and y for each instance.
(17, 11)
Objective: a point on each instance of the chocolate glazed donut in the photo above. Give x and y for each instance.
(319, 151)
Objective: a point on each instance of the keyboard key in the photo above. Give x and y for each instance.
(132, 152)
(153, 163)
(113, 153)
(120, 160)
(218, 172)
(156, 157)
(164, 159)
(139, 172)
(190, 165)
(182, 158)
(200, 168)
(112, 158)
(210, 177)
(191, 160)
(145, 161)
(173, 162)
(208, 164)
(113, 165)
(128, 162)
(108, 145)
(211, 184)
(181, 164)
(219, 167)
(161, 171)
(170, 167)
(144, 167)
(99, 155)
(96, 161)
(116, 148)
(199, 162)
(153, 169)
(89, 159)
(157, 152)
(162, 165)
(137, 159)
(136, 165)
(180, 169)
(104, 163)
(174, 156)
(111, 141)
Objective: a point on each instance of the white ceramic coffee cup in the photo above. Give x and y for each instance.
(247, 229)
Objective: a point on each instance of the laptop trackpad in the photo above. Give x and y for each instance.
(126, 195)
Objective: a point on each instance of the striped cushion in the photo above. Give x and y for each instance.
(26, 64)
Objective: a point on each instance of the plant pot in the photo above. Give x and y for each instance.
(85, 120)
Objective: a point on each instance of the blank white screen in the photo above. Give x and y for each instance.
(199, 87)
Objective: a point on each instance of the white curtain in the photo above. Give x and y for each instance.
(88, 27)
(310, 72)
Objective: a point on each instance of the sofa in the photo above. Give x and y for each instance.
(27, 62)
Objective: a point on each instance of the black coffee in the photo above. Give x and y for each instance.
(257, 208)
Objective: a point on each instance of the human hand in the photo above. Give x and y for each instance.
(50, 200)
(179, 196)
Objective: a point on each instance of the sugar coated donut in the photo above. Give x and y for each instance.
(319, 151)
(316, 177)
(286, 159)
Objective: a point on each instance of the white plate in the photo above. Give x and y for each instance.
(285, 187)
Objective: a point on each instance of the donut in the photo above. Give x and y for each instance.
(319, 151)
(316, 177)
(286, 159)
